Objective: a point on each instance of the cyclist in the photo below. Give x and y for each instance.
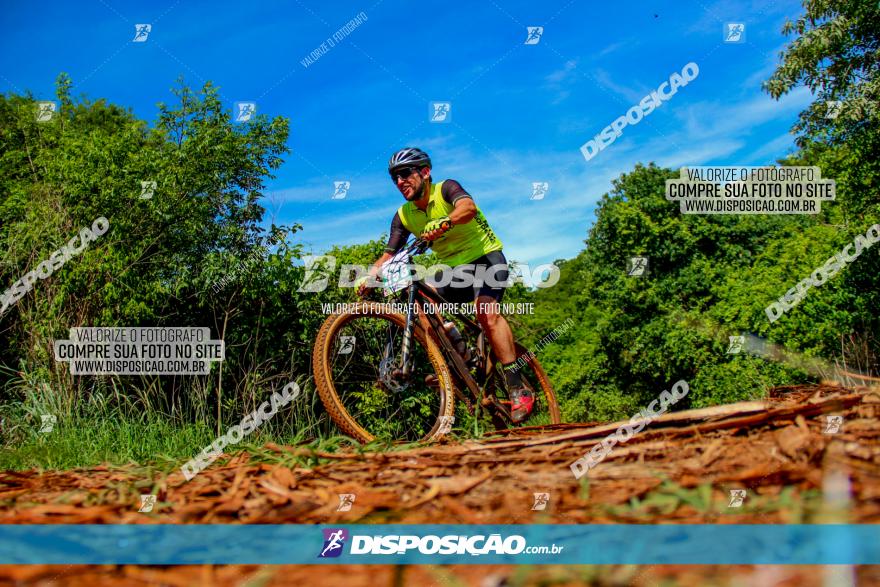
(467, 240)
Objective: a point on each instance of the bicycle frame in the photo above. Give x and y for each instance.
(419, 296)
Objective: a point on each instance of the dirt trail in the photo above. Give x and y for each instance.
(679, 469)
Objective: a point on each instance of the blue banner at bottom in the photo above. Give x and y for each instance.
(167, 544)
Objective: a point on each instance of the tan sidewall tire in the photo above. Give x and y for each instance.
(324, 379)
(544, 382)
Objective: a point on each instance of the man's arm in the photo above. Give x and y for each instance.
(464, 207)
(396, 240)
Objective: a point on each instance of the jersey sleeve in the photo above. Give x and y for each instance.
(452, 191)
(398, 235)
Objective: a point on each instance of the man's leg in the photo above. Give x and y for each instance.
(496, 327)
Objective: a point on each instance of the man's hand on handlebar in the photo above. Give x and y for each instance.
(435, 228)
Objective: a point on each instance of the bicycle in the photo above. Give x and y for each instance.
(373, 367)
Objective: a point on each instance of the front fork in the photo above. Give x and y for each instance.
(405, 362)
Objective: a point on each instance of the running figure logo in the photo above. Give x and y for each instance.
(735, 32)
(334, 540)
(45, 111)
(736, 345)
(441, 112)
(48, 423)
(147, 503)
(541, 501)
(340, 189)
(346, 345)
(832, 424)
(147, 190)
(245, 111)
(346, 500)
(534, 35)
(737, 497)
(141, 32)
(539, 190)
(637, 266)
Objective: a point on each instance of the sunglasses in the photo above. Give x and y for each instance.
(404, 173)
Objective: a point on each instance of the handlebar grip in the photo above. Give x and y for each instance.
(446, 224)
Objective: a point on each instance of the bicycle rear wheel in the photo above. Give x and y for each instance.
(545, 410)
(355, 362)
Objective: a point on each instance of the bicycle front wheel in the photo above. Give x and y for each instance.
(356, 362)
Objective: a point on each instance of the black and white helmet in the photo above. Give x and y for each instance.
(409, 157)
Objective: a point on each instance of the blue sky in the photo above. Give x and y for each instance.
(519, 112)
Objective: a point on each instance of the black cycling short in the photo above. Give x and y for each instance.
(491, 269)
